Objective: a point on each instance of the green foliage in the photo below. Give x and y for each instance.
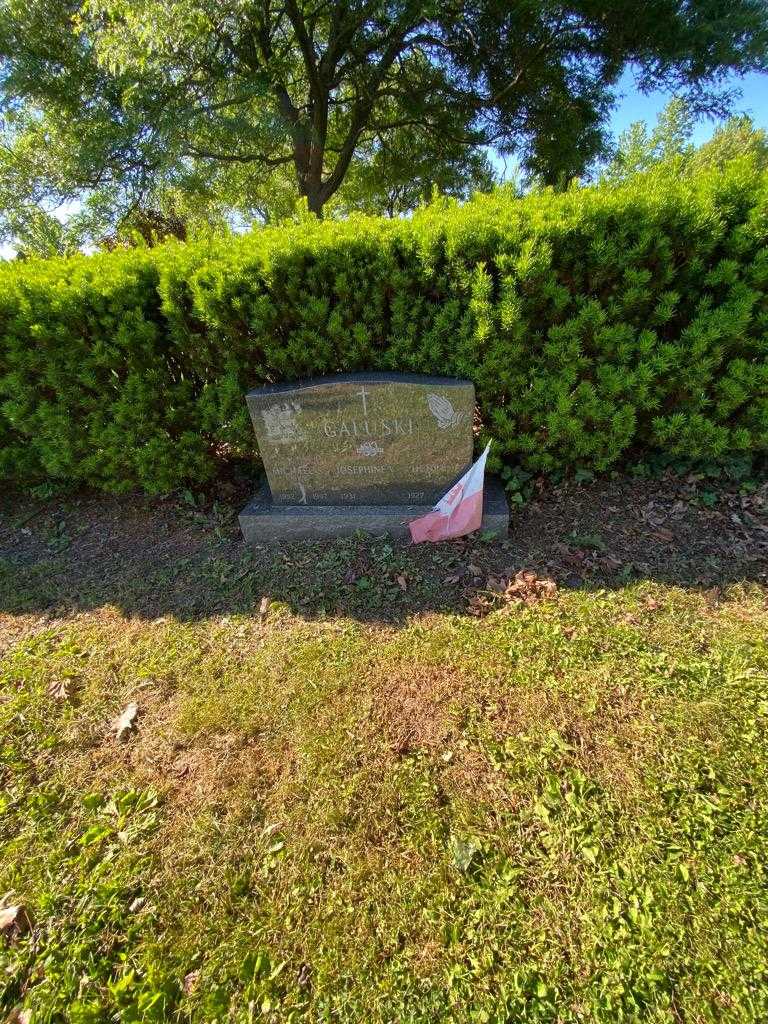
(738, 137)
(604, 325)
(397, 178)
(670, 140)
(135, 105)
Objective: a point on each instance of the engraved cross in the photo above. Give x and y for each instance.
(363, 395)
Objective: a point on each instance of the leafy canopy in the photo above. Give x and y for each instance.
(141, 104)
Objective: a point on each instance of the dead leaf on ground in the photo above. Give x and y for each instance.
(190, 982)
(529, 588)
(525, 586)
(14, 922)
(263, 609)
(574, 557)
(60, 689)
(19, 1015)
(451, 580)
(125, 723)
(610, 563)
(663, 534)
(402, 582)
(480, 604)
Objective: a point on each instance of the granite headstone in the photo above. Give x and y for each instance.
(360, 452)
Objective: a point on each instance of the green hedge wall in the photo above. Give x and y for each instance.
(598, 325)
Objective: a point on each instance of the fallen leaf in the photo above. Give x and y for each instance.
(663, 534)
(610, 562)
(125, 723)
(190, 982)
(529, 588)
(525, 586)
(59, 689)
(463, 851)
(263, 609)
(402, 582)
(14, 922)
(19, 1015)
(575, 557)
(480, 604)
(451, 580)
(475, 569)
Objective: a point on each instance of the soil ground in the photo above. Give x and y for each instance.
(150, 557)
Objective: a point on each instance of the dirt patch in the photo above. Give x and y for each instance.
(413, 707)
(189, 772)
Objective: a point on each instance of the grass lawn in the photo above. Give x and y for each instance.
(364, 786)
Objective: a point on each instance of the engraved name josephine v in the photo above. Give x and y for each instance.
(364, 438)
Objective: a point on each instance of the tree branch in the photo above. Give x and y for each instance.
(240, 158)
(361, 111)
(306, 47)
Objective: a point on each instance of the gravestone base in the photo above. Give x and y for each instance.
(263, 522)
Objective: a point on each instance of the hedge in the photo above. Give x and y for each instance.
(599, 325)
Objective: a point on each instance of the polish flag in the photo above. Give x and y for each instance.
(458, 512)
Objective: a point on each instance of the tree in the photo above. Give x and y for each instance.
(738, 137)
(124, 100)
(638, 149)
(670, 143)
(394, 175)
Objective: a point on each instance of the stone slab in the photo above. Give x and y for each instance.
(365, 439)
(263, 522)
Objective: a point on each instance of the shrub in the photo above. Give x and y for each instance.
(599, 325)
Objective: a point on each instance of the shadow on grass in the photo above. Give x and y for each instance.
(150, 557)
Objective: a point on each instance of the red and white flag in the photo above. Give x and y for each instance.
(458, 512)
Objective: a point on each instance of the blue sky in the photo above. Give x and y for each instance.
(633, 106)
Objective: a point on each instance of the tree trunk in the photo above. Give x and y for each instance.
(309, 178)
(315, 201)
